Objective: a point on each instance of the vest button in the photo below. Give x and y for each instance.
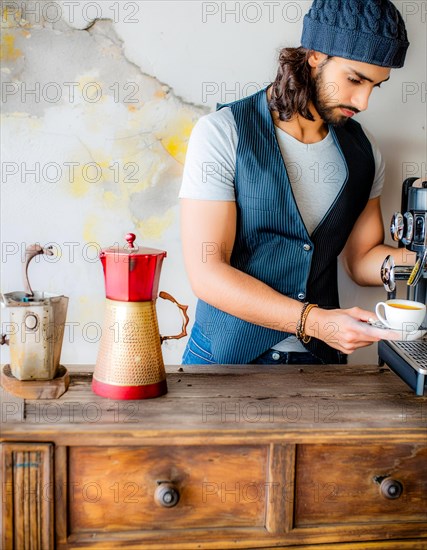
(275, 356)
(301, 296)
(307, 247)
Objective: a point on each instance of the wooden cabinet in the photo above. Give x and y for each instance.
(231, 457)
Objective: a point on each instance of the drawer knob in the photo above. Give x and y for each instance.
(391, 488)
(166, 495)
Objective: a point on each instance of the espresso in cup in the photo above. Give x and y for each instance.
(404, 306)
(405, 315)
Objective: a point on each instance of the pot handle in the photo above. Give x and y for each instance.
(185, 318)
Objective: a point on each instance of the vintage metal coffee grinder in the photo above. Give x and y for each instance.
(34, 335)
(130, 363)
(408, 359)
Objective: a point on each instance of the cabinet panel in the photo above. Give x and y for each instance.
(113, 488)
(27, 496)
(357, 484)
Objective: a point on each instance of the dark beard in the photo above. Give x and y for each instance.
(327, 114)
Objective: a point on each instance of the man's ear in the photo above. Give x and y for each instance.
(316, 58)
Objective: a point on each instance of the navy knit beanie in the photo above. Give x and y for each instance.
(371, 31)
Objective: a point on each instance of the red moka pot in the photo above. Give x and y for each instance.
(130, 362)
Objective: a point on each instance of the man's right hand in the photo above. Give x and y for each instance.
(346, 329)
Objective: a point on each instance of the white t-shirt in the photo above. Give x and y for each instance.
(316, 172)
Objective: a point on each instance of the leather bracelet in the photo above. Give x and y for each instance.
(300, 328)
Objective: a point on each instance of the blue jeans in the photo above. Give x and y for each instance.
(198, 349)
(198, 352)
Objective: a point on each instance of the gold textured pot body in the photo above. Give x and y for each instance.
(130, 348)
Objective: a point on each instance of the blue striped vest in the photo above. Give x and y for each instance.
(272, 243)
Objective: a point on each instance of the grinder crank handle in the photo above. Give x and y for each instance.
(31, 251)
(185, 318)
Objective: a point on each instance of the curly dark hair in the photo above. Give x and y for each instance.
(294, 87)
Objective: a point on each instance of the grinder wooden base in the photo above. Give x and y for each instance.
(35, 389)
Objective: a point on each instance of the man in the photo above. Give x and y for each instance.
(278, 184)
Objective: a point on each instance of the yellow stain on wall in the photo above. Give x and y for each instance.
(127, 176)
(89, 233)
(155, 226)
(160, 94)
(110, 199)
(80, 185)
(8, 52)
(139, 175)
(10, 17)
(93, 173)
(176, 135)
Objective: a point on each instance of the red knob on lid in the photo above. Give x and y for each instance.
(130, 237)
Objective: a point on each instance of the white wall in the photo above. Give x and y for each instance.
(156, 67)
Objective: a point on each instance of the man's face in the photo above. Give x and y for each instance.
(341, 87)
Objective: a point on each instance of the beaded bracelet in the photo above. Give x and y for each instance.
(300, 328)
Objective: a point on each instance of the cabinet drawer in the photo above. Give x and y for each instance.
(348, 484)
(114, 488)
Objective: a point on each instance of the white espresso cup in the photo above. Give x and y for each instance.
(405, 315)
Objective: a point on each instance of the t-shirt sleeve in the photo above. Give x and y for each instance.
(379, 178)
(210, 162)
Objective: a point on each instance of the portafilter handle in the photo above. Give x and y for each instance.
(387, 277)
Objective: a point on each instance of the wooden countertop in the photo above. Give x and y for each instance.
(229, 404)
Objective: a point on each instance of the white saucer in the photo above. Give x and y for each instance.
(409, 336)
(401, 335)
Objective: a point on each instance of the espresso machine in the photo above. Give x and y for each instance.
(408, 359)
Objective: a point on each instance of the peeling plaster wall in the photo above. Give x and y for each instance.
(94, 152)
(98, 102)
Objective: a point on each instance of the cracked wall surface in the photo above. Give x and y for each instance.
(94, 148)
